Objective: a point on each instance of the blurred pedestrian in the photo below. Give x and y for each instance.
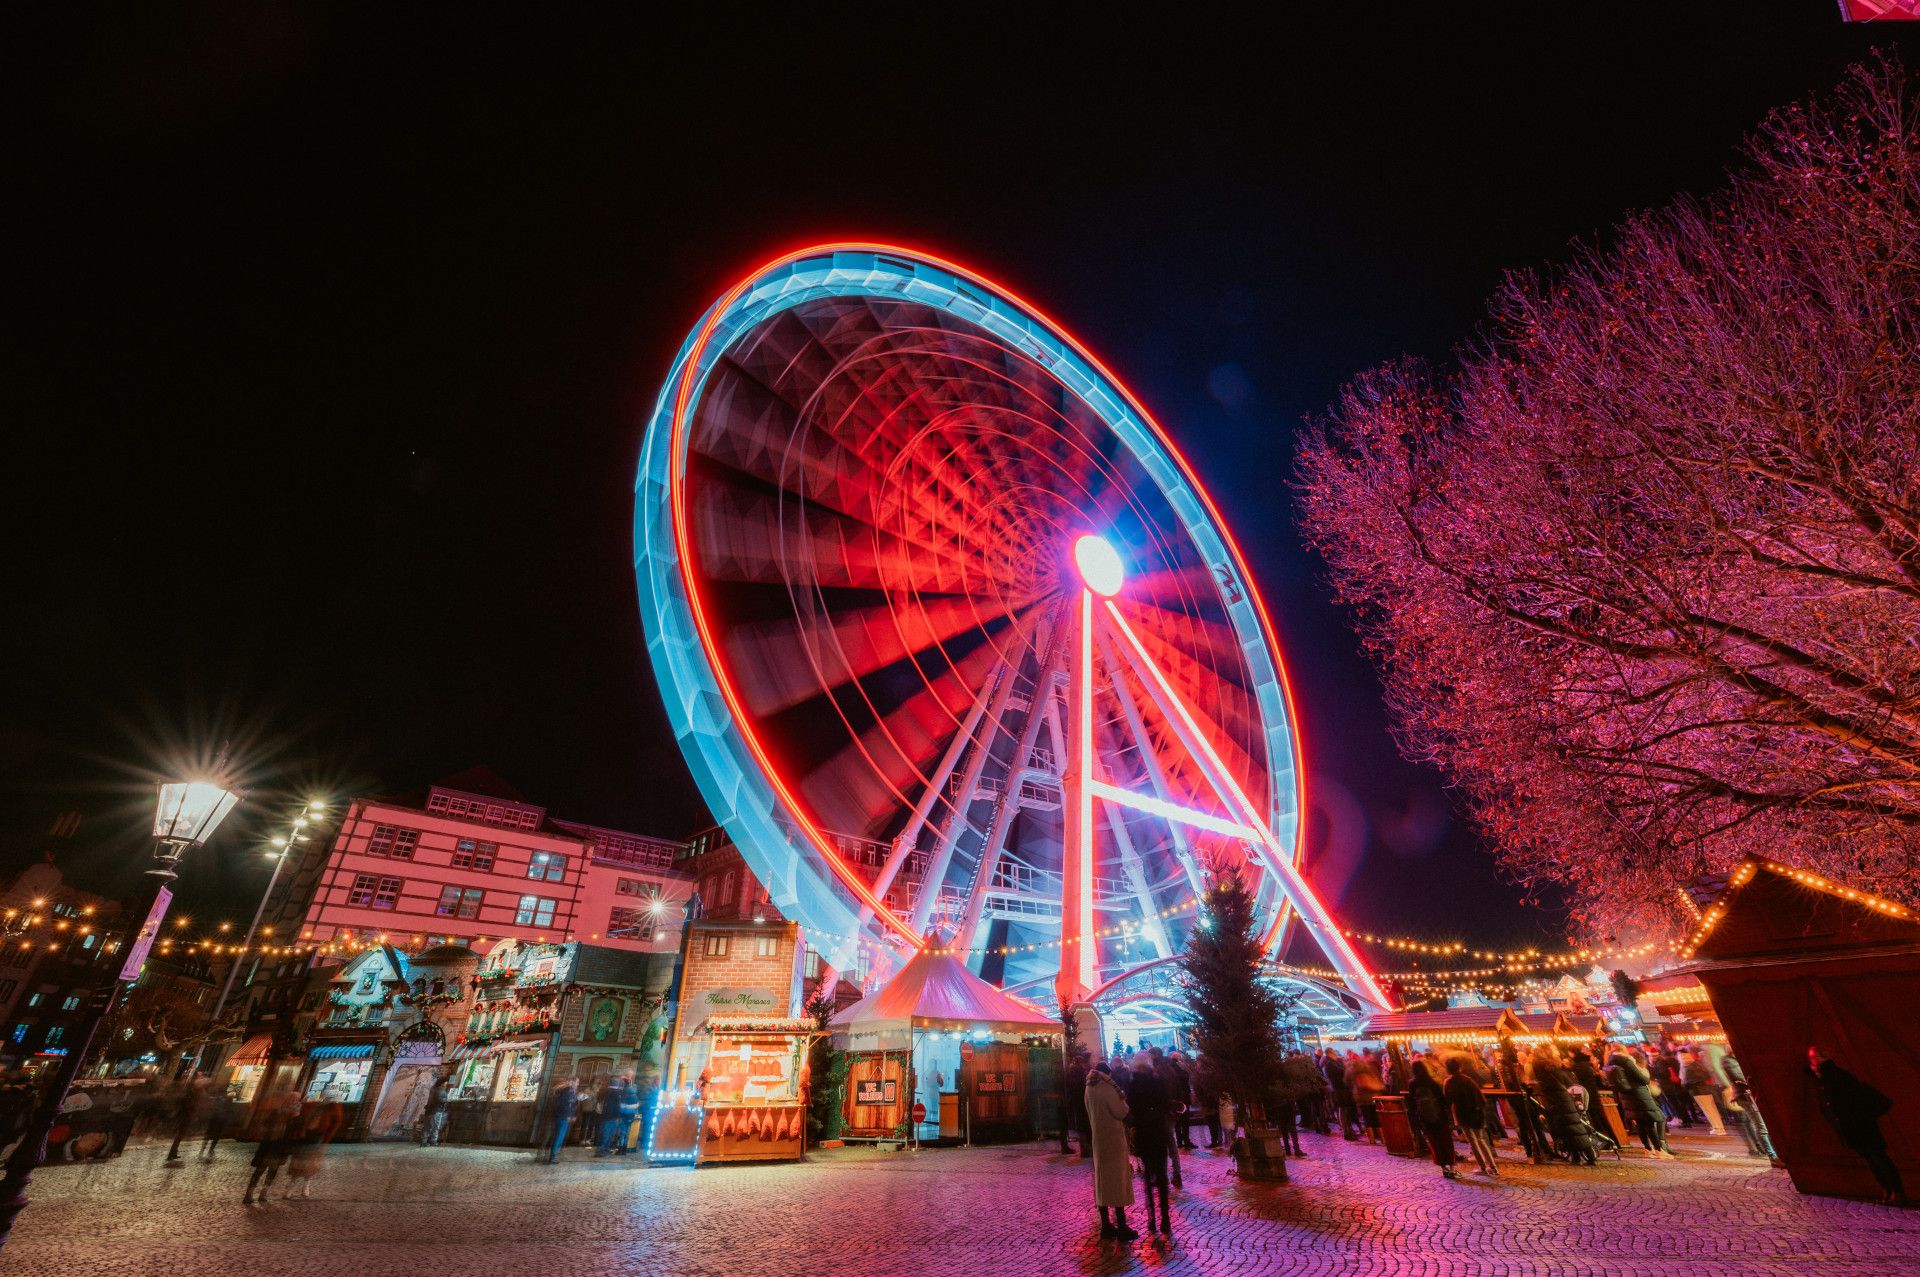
(278, 1128)
(1854, 1108)
(221, 1112)
(433, 1121)
(1469, 1106)
(1427, 1106)
(1180, 1095)
(192, 1102)
(1150, 1111)
(1633, 1085)
(1074, 1100)
(318, 1125)
(1698, 1079)
(560, 1110)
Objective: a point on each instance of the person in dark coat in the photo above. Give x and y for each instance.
(1180, 1094)
(1336, 1071)
(617, 1101)
(1854, 1108)
(1566, 1114)
(1151, 1114)
(560, 1111)
(1427, 1106)
(1469, 1112)
(1076, 1104)
(1308, 1088)
(1634, 1086)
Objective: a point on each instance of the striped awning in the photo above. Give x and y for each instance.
(342, 1051)
(254, 1050)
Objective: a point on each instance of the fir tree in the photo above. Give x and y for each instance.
(1235, 1015)
(827, 1067)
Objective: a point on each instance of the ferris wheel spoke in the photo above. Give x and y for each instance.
(1221, 707)
(744, 536)
(782, 662)
(1007, 803)
(1150, 757)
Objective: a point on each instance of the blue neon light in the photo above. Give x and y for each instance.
(802, 885)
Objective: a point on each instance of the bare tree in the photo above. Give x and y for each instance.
(1643, 570)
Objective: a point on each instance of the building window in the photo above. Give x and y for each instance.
(371, 891)
(20, 1032)
(6, 988)
(631, 924)
(630, 887)
(766, 946)
(549, 865)
(72, 1003)
(88, 942)
(54, 1034)
(813, 964)
(388, 840)
(727, 886)
(470, 854)
(717, 945)
(35, 999)
(459, 902)
(534, 911)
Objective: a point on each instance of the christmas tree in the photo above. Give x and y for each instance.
(1235, 1015)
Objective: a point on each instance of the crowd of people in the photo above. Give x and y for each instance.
(1143, 1107)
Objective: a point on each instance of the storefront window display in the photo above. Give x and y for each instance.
(246, 1081)
(519, 1076)
(343, 1080)
(476, 1077)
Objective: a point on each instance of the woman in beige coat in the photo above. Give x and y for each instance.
(1112, 1166)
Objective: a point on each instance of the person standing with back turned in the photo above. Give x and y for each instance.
(1112, 1167)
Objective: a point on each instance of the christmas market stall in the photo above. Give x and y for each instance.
(752, 1094)
(939, 1036)
(1793, 960)
(1675, 1007)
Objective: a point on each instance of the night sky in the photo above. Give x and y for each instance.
(333, 334)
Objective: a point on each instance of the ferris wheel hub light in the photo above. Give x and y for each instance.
(1099, 565)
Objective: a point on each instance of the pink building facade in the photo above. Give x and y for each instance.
(476, 867)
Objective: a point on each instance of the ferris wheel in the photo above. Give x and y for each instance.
(951, 637)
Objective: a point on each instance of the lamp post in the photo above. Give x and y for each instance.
(285, 845)
(186, 816)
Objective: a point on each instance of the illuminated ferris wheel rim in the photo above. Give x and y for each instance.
(734, 767)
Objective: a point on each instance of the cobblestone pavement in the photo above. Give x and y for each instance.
(969, 1212)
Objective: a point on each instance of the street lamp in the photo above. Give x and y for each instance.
(186, 815)
(284, 848)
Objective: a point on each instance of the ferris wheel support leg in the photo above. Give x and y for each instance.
(1078, 961)
(1130, 864)
(1286, 874)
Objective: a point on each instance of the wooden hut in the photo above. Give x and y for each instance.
(1791, 960)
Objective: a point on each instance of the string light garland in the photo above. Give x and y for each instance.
(1806, 878)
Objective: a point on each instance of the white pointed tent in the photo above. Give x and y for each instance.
(935, 992)
(926, 1012)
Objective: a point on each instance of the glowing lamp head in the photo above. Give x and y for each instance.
(1099, 565)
